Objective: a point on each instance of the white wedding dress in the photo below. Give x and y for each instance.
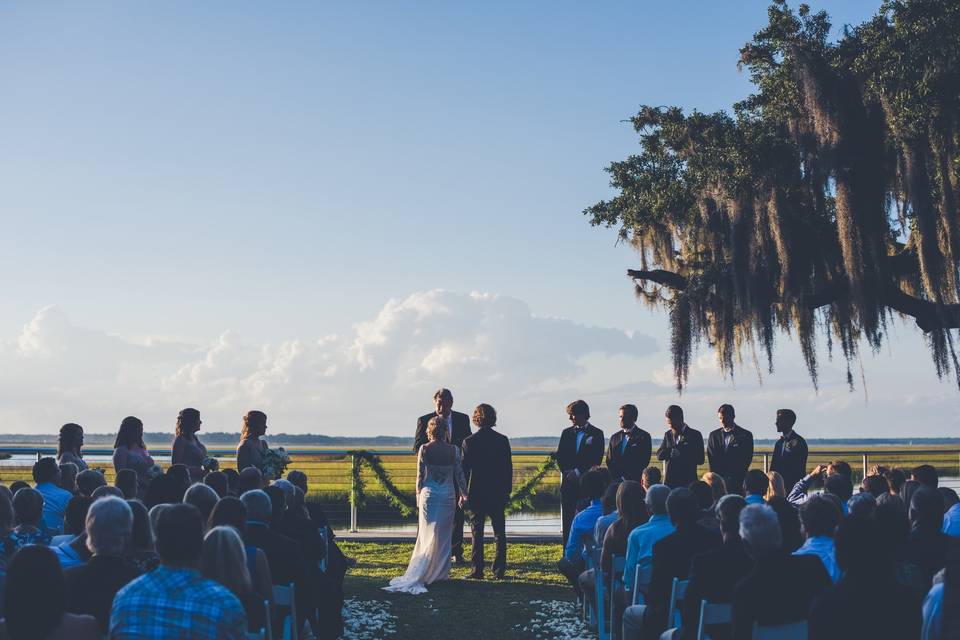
(436, 500)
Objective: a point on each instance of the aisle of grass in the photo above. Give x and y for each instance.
(459, 607)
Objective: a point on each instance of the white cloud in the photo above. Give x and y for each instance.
(375, 380)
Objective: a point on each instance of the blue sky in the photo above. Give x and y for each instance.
(277, 173)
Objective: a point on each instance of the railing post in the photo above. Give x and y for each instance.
(354, 470)
(865, 465)
(766, 463)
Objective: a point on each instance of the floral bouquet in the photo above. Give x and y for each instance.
(275, 462)
(210, 464)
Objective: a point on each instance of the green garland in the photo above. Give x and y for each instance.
(521, 498)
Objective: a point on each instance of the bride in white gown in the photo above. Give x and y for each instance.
(438, 467)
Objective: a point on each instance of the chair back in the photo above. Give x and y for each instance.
(637, 596)
(676, 597)
(325, 536)
(599, 581)
(792, 631)
(256, 635)
(713, 614)
(286, 596)
(268, 618)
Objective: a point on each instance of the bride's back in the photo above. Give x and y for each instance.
(439, 453)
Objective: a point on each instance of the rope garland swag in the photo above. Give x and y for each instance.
(521, 498)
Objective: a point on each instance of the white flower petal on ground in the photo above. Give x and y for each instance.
(367, 620)
(556, 619)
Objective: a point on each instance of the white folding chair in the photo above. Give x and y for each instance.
(638, 596)
(326, 548)
(677, 592)
(285, 596)
(616, 579)
(266, 616)
(713, 614)
(792, 631)
(603, 633)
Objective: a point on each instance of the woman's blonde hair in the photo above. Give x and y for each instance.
(437, 430)
(253, 425)
(224, 560)
(718, 487)
(775, 487)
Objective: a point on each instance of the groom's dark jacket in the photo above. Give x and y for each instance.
(460, 430)
(488, 468)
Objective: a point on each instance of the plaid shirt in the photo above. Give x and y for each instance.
(173, 602)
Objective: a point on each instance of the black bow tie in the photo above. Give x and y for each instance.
(580, 429)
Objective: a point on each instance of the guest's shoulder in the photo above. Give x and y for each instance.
(133, 588)
(77, 626)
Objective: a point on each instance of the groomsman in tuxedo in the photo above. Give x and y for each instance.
(790, 452)
(488, 468)
(628, 453)
(580, 449)
(730, 450)
(458, 428)
(681, 450)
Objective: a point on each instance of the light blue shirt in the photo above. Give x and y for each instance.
(823, 548)
(583, 525)
(754, 498)
(640, 549)
(67, 556)
(603, 523)
(580, 436)
(951, 521)
(55, 502)
(932, 613)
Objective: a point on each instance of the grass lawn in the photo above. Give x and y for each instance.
(531, 601)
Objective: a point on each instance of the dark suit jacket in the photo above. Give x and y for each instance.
(630, 464)
(589, 455)
(865, 607)
(671, 559)
(682, 470)
(779, 590)
(732, 461)
(460, 429)
(92, 585)
(713, 575)
(488, 468)
(286, 560)
(790, 459)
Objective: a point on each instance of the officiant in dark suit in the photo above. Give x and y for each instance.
(458, 429)
(580, 449)
(488, 468)
(730, 450)
(681, 450)
(629, 450)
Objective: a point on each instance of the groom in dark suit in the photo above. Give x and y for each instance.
(579, 450)
(488, 468)
(458, 429)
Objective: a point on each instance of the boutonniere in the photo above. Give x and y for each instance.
(589, 439)
(789, 444)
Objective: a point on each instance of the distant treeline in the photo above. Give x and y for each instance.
(310, 439)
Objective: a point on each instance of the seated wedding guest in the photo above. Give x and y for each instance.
(7, 521)
(633, 513)
(250, 479)
(650, 477)
(755, 485)
(895, 479)
(68, 477)
(776, 487)
(106, 491)
(926, 475)
(718, 488)
(895, 529)
(839, 485)
(46, 475)
(671, 559)
(801, 490)
(789, 520)
(875, 485)
(819, 519)
(906, 493)
(867, 602)
(337, 562)
(74, 552)
(17, 485)
(941, 613)
(714, 574)
(861, 505)
(203, 498)
(141, 553)
(187, 448)
(126, 481)
(230, 512)
(69, 444)
(35, 599)
(179, 477)
(708, 517)
(175, 600)
(233, 479)
(571, 565)
(608, 504)
(160, 490)
(74, 520)
(88, 480)
(927, 545)
(28, 510)
(92, 585)
(223, 560)
(284, 555)
(217, 481)
(129, 452)
(780, 587)
(951, 516)
(641, 540)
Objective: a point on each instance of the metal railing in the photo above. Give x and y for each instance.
(329, 473)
